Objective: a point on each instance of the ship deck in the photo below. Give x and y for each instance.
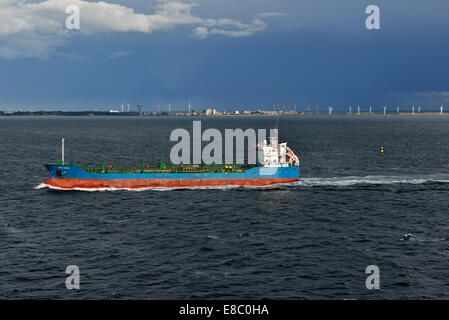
(185, 169)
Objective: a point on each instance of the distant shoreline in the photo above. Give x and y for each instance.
(185, 114)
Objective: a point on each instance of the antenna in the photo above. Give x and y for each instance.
(139, 107)
(62, 150)
(277, 119)
(277, 122)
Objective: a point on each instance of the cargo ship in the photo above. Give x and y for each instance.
(280, 165)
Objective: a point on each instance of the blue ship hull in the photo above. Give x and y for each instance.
(70, 176)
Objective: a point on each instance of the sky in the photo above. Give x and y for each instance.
(225, 54)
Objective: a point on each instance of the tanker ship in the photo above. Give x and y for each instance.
(280, 165)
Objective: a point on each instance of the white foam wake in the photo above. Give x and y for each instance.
(372, 180)
(43, 185)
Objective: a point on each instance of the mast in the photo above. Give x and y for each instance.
(62, 150)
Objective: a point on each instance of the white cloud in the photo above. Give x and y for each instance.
(229, 27)
(119, 54)
(30, 29)
(271, 14)
(433, 96)
(29, 44)
(424, 98)
(200, 32)
(238, 29)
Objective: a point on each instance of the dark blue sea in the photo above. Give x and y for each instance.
(353, 207)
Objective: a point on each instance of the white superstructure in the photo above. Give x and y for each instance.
(278, 154)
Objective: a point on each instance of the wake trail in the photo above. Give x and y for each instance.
(372, 180)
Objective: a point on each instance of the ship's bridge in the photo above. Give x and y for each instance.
(278, 154)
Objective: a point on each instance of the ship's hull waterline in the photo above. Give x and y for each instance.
(69, 176)
(159, 183)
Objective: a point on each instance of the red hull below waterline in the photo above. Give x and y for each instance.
(159, 183)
